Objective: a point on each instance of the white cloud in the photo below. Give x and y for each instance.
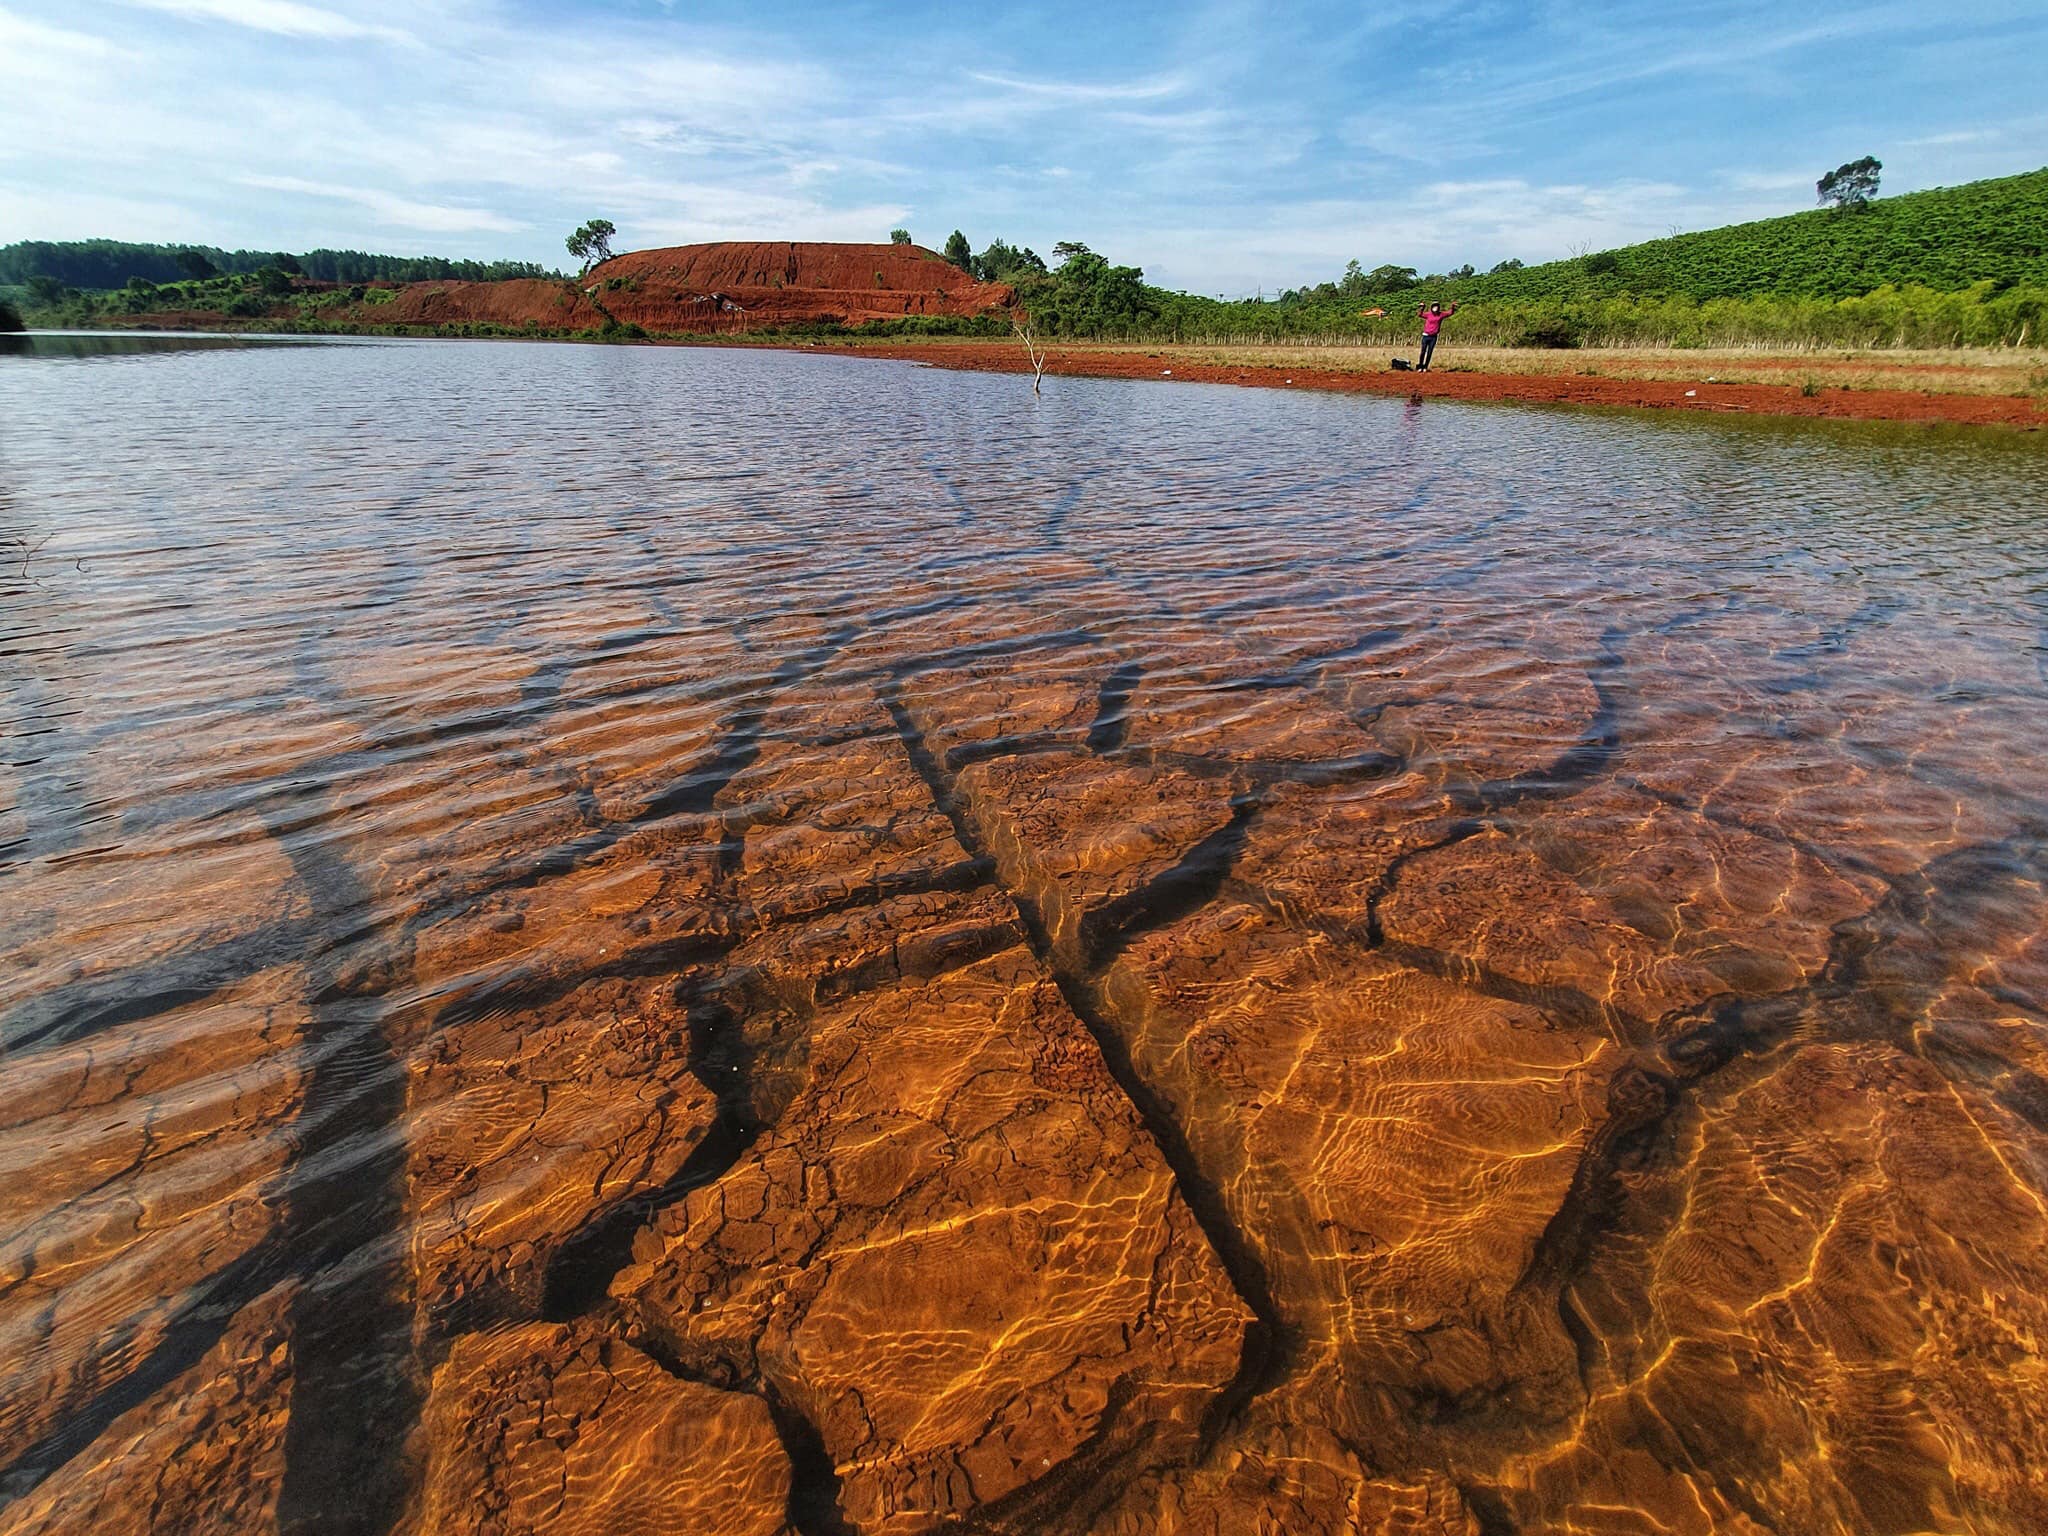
(1962, 136)
(78, 215)
(388, 210)
(1432, 225)
(284, 18)
(1071, 92)
(1247, 145)
(1769, 181)
(28, 47)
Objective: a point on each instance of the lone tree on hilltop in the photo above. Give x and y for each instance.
(959, 252)
(592, 242)
(1851, 185)
(899, 237)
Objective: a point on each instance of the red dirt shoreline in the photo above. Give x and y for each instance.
(1903, 405)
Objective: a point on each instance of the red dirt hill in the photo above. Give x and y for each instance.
(727, 286)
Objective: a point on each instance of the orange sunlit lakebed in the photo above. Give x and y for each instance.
(607, 939)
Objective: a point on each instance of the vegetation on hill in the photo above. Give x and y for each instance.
(1959, 266)
(103, 264)
(1949, 238)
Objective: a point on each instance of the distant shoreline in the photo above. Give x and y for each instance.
(1966, 386)
(1839, 388)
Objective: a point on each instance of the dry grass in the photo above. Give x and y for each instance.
(1998, 371)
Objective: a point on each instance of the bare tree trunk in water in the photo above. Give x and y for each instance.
(1032, 351)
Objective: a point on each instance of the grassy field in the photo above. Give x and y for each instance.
(1976, 372)
(2003, 371)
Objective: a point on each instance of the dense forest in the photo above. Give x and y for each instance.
(102, 264)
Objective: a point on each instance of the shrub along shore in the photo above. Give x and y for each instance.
(1890, 318)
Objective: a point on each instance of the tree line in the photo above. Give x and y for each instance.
(102, 264)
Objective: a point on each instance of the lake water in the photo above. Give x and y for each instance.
(602, 939)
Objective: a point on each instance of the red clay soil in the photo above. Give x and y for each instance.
(1766, 399)
(731, 286)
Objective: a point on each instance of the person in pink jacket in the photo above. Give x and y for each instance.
(1433, 317)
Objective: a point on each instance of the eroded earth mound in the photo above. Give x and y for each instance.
(724, 287)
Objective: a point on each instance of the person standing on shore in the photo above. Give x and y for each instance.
(1433, 317)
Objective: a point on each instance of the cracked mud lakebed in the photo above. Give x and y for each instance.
(658, 940)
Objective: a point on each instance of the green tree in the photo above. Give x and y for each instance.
(1512, 264)
(1851, 185)
(958, 252)
(1353, 283)
(1003, 262)
(1087, 296)
(194, 266)
(1383, 279)
(592, 242)
(273, 280)
(1467, 270)
(10, 317)
(899, 237)
(47, 290)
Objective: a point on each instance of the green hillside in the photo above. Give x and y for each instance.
(1948, 238)
(1955, 267)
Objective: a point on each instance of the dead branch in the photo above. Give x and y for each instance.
(28, 553)
(1031, 350)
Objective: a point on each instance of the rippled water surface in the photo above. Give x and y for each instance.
(645, 940)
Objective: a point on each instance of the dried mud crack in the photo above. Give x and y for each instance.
(1001, 975)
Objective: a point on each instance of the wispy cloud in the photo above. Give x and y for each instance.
(283, 18)
(1225, 146)
(389, 210)
(1960, 136)
(1769, 181)
(1071, 92)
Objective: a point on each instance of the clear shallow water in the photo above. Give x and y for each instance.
(596, 935)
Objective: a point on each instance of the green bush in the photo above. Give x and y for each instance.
(1556, 332)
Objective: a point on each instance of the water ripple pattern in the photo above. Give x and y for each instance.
(615, 940)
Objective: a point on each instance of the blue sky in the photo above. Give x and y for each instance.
(1224, 147)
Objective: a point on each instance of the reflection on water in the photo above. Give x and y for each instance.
(658, 940)
(91, 344)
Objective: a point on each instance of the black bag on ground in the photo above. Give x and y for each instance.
(1401, 365)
